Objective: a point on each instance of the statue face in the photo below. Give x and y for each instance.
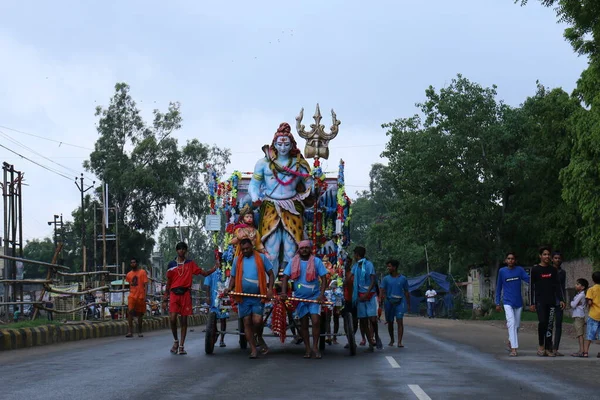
(283, 145)
(248, 219)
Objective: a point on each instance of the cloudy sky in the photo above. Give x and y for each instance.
(240, 68)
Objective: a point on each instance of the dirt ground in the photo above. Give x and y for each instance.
(490, 337)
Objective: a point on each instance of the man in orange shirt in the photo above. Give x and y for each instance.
(136, 303)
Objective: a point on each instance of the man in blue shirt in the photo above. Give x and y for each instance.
(214, 283)
(364, 294)
(509, 284)
(308, 274)
(396, 300)
(249, 275)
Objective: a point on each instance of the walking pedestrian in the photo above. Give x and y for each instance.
(364, 295)
(179, 283)
(508, 288)
(396, 300)
(136, 302)
(545, 290)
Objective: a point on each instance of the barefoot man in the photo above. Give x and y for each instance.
(179, 283)
(136, 303)
(309, 276)
(396, 300)
(249, 275)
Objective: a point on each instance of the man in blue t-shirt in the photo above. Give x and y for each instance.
(308, 274)
(508, 287)
(363, 295)
(249, 275)
(215, 283)
(396, 300)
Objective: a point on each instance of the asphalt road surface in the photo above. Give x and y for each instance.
(429, 367)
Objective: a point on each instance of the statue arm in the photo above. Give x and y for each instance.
(258, 178)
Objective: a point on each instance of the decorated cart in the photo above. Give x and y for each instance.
(280, 203)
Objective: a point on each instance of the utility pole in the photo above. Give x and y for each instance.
(82, 190)
(58, 221)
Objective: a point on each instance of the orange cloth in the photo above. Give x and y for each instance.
(262, 278)
(137, 280)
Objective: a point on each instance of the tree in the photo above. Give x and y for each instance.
(146, 170)
(580, 178)
(583, 16)
(38, 250)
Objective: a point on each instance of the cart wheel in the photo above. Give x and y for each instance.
(210, 336)
(322, 329)
(349, 328)
(243, 341)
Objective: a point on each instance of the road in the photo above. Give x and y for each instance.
(429, 367)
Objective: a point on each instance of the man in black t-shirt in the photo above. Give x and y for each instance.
(545, 290)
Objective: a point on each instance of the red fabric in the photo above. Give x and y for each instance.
(279, 320)
(348, 289)
(181, 275)
(181, 303)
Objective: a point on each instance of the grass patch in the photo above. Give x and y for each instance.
(30, 324)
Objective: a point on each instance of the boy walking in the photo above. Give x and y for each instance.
(136, 302)
(545, 290)
(578, 306)
(510, 279)
(593, 321)
(179, 282)
(396, 300)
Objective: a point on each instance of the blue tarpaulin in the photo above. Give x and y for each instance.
(417, 281)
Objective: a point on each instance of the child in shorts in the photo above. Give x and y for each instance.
(593, 321)
(578, 312)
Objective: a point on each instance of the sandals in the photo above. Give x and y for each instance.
(584, 355)
(577, 355)
(175, 347)
(362, 342)
(541, 353)
(513, 354)
(181, 351)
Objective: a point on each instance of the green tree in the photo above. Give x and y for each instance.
(146, 170)
(38, 250)
(580, 178)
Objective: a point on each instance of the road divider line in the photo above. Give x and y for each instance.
(420, 393)
(392, 362)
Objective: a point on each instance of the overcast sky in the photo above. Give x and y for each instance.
(240, 68)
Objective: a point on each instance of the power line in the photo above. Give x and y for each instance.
(46, 138)
(38, 154)
(37, 163)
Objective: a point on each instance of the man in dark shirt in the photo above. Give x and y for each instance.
(562, 277)
(545, 290)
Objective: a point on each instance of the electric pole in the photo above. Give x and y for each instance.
(82, 190)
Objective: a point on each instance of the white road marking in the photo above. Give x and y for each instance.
(392, 362)
(421, 395)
